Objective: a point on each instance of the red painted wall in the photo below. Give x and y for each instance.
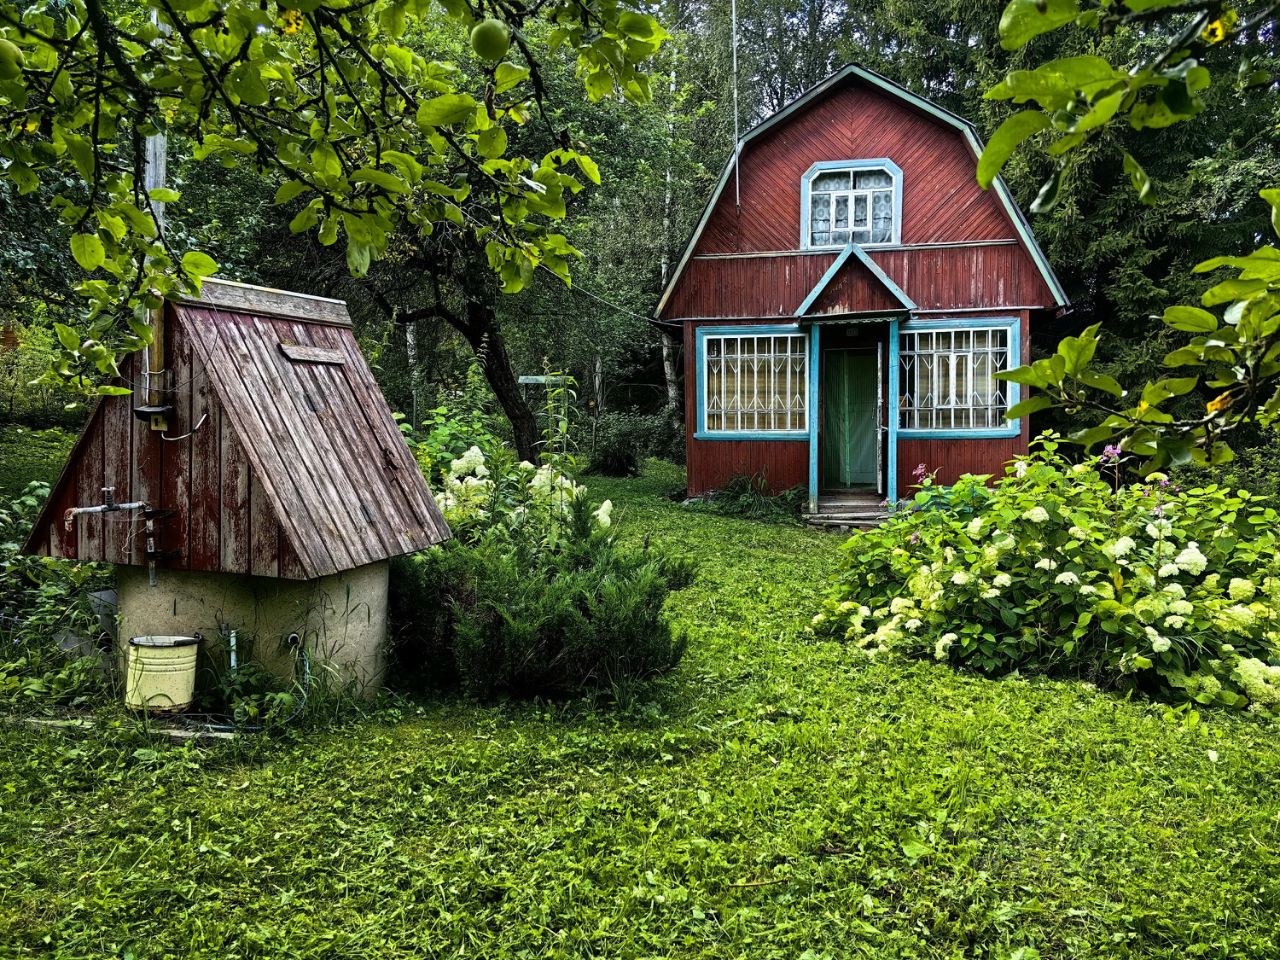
(221, 519)
(941, 200)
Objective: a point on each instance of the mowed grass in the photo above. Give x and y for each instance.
(775, 797)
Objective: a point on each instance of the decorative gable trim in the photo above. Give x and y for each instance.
(958, 123)
(856, 251)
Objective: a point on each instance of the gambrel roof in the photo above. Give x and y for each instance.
(858, 74)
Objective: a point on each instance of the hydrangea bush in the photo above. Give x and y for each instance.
(474, 498)
(1053, 568)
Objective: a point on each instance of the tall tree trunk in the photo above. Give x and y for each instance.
(597, 382)
(670, 371)
(411, 351)
(668, 346)
(480, 328)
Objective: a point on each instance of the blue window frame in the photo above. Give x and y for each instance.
(947, 379)
(851, 201)
(753, 382)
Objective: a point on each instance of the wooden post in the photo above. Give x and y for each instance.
(154, 175)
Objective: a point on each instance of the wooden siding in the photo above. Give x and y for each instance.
(936, 278)
(854, 288)
(294, 469)
(181, 478)
(756, 287)
(941, 200)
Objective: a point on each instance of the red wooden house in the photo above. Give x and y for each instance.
(847, 297)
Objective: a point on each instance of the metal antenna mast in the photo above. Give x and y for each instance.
(737, 143)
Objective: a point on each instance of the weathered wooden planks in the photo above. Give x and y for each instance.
(246, 298)
(281, 457)
(308, 354)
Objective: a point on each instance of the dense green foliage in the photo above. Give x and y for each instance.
(49, 633)
(748, 495)
(534, 595)
(621, 441)
(1051, 570)
(771, 797)
(1079, 100)
(28, 455)
(513, 613)
(343, 106)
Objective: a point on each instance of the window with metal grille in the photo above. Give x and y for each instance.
(948, 379)
(851, 205)
(755, 383)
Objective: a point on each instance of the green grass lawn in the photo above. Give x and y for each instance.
(773, 798)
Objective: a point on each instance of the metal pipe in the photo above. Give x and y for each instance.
(108, 505)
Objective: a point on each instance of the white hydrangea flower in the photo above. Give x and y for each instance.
(1168, 570)
(1036, 515)
(1161, 644)
(1067, 577)
(1120, 548)
(1175, 590)
(901, 605)
(913, 625)
(1158, 529)
(1241, 590)
(471, 462)
(1002, 580)
(1078, 533)
(1191, 559)
(990, 593)
(1046, 564)
(960, 578)
(1235, 619)
(1088, 589)
(603, 514)
(941, 648)
(975, 527)
(1174, 622)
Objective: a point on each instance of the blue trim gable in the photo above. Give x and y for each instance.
(854, 250)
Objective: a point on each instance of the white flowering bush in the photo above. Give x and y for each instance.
(537, 501)
(534, 595)
(1168, 591)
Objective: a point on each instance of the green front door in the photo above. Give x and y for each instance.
(849, 392)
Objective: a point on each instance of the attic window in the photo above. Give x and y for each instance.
(854, 201)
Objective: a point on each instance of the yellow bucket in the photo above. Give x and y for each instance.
(160, 672)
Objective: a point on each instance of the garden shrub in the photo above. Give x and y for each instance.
(534, 595)
(1168, 591)
(622, 440)
(462, 419)
(748, 496)
(49, 632)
